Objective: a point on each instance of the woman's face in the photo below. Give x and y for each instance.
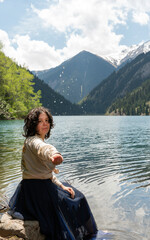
(43, 125)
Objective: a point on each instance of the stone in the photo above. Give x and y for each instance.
(11, 238)
(15, 229)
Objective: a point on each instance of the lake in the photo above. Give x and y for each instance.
(105, 157)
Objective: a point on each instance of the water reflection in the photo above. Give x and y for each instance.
(108, 158)
(11, 142)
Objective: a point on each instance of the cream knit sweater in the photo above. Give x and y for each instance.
(36, 160)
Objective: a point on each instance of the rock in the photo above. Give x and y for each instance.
(14, 229)
(11, 238)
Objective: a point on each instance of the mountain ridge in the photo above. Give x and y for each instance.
(128, 54)
(77, 76)
(119, 83)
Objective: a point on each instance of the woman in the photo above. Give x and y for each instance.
(62, 211)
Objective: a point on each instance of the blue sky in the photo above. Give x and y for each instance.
(41, 34)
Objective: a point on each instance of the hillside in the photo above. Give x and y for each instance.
(135, 103)
(21, 91)
(76, 77)
(57, 104)
(17, 95)
(117, 85)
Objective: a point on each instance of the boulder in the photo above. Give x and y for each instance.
(14, 229)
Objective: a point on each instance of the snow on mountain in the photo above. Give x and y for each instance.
(128, 54)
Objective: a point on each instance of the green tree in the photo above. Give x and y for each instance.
(134, 103)
(16, 89)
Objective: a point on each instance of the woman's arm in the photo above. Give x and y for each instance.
(43, 150)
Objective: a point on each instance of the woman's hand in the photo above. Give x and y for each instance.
(57, 159)
(68, 189)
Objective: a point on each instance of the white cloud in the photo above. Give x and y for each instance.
(140, 10)
(141, 17)
(35, 55)
(1, 1)
(7, 44)
(87, 24)
(71, 15)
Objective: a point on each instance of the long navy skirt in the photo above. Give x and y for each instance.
(60, 217)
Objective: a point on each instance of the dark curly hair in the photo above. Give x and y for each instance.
(31, 121)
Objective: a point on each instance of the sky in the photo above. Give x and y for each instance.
(41, 34)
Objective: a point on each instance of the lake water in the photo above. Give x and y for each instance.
(107, 158)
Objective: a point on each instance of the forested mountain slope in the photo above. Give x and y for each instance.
(20, 91)
(135, 103)
(57, 104)
(17, 94)
(117, 85)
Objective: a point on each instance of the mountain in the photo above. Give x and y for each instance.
(117, 85)
(57, 104)
(128, 54)
(135, 103)
(76, 77)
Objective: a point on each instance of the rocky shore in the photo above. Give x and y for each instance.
(14, 229)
